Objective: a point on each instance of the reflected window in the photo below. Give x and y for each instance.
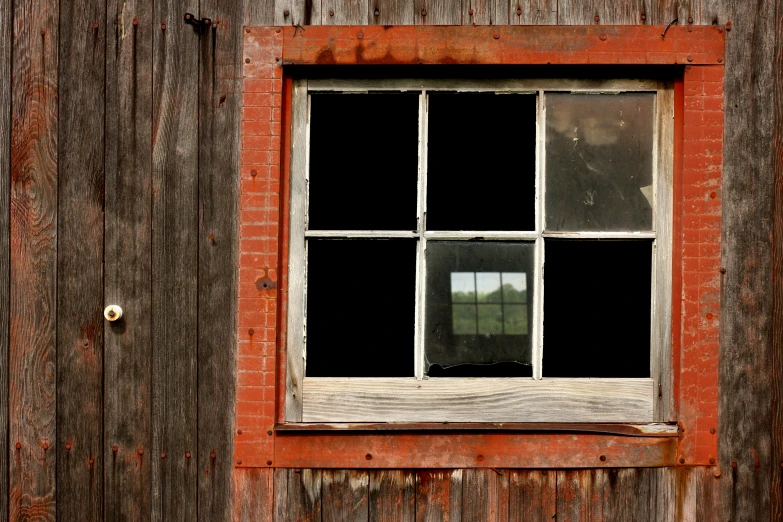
(489, 303)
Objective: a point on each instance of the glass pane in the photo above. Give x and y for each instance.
(481, 168)
(597, 299)
(360, 307)
(364, 160)
(476, 312)
(599, 161)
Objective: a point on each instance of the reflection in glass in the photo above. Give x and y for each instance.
(490, 295)
(477, 311)
(599, 161)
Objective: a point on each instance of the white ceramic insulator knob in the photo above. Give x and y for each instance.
(112, 312)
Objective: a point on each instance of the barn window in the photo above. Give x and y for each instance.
(468, 251)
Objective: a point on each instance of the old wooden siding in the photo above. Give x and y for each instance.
(119, 145)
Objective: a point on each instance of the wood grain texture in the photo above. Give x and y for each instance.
(579, 12)
(580, 495)
(299, 12)
(345, 495)
(439, 495)
(698, 497)
(80, 321)
(392, 496)
(6, 21)
(532, 495)
(663, 12)
(485, 495)
(745, 400)
(297, 495)
(437, 12)
(640, 494)
(776, 481)
(220, 101)
(626, 12)
(253, 494)
(32, 301)
(477, 400)
(533, 12)
(391, 12)
(128, 268)
(175, 263)
(344, 12)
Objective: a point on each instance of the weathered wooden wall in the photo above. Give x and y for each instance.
(119, 143)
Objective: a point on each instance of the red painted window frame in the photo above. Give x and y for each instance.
(262, 439)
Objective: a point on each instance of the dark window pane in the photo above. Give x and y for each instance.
(477, 311)
(597, 308)
(360, 307)
(599, 161)
(364, 160)
(481, 168)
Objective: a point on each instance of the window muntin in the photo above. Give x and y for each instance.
(529, 351)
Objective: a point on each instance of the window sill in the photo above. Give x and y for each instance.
(631, 430)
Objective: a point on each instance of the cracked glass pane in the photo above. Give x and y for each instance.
(478, 308)
(599, 161)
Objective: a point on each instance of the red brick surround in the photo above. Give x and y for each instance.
(263, 207)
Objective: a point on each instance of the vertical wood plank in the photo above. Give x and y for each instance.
(79, 483)
(533, 12)
(662, 12)
(532, 495)
(253, 491)
(297, 12)
(391, 12)
(175, 262)
(33, 267)
(298, 495)
(746, 335)
(699, 494)
(478, 12)
(639, 494)
(580, 495)
(392, 496)
(127, 281)
(220, 101)
(485, 495)
(437, 12)
(258, 12)
(626, 12)
(776, 481)
(579, 12)
(344, 12)
(6, 21)
(439, 496)
(344, 495)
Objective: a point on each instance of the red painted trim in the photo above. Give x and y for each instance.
(264, 214)
(626, 44)
(471, 450)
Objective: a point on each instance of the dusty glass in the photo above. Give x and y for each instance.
(599, 162)
(479, 306)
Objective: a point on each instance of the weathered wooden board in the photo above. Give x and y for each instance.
(533, 12)
(437, 12)
(663, 12)
(343, 12)
(392, 496)
(252, 495)
(345, 495)
(80, 322)
(482, 400)
(745, 401)
(6, 20)
(32, 302)
(626, 12)
(579, 12)
(439, 496)
(220, 91)
(127, 451)
(776, 497)
(580, 494)
(485, 494)
(297, 495)
(175, 262)
(388, 12)
(532, 495)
